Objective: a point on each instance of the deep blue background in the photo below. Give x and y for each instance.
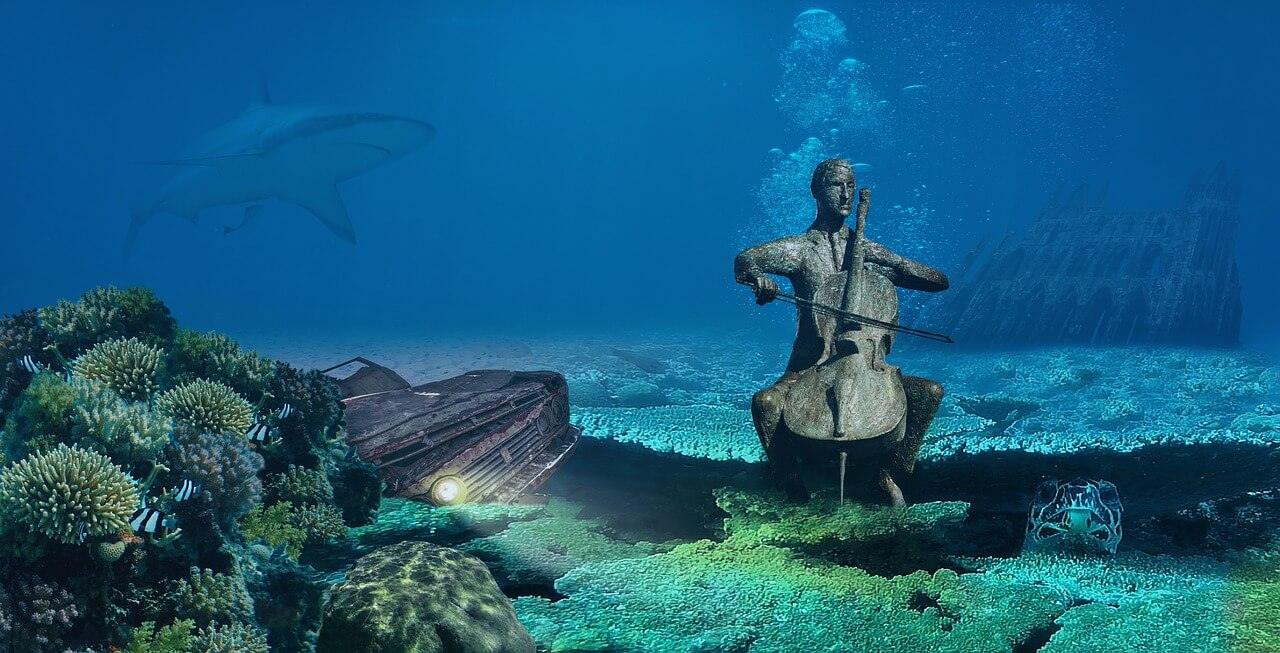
(595, 163)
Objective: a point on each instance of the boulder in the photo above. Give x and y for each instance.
(416, 597)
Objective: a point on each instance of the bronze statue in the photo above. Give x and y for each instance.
(839, 398)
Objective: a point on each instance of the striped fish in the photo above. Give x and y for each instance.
(30, 364)
(186, 490)
(285, 411)
(82, 531)
(259, 432)
(150, 520)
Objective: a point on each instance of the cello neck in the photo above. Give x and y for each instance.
(854, 254)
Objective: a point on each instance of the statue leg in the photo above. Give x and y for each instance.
(923, 399)
(766, 413)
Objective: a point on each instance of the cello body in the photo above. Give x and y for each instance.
(851, 393)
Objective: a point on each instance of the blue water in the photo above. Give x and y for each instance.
(598, 165)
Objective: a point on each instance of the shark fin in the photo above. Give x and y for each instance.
(251, 213)
(264, 91)
(324, 202)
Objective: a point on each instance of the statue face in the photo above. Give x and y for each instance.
(835, 194)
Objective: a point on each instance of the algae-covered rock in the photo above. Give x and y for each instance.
(416, 597)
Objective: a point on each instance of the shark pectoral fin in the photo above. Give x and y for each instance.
(208, 161)
(324, 202)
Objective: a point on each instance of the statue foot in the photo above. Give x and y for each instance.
(891, 490)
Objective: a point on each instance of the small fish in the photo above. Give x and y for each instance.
(285, 411)
(82, 531)
(150, 520)
(259, 432)
(30, 364)
(186, 490)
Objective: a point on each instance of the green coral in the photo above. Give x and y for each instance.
(282, 524)
(206, 598)
(207, 406)
(104, 313)
(213, 356)
(720, 596)
(173, 638)
(42, 414)
(230, 638)
(127, 432)
(1254, 603)
(299, 485)
(59, 492)
(128, 366)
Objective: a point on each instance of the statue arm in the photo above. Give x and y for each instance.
(904, 272)
(780, 257)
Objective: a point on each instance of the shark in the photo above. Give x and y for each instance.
(293, 153)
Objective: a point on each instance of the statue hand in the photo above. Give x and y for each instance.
(766, 290)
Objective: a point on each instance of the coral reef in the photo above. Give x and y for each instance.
(126, 432)
(293, 527)
(714, 432)
(207, 406)
(35, 615)
(420, 598)
(230, 638)
(218, 358)
(145, 408)
(224, 466)
(207, 598)
(173, 638)
(126, 365)
(66, 494)
(106, 313)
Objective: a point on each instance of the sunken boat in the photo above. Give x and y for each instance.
(484, 436)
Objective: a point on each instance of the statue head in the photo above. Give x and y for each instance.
(834, 187)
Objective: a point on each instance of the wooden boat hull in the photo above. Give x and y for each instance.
(485, 436)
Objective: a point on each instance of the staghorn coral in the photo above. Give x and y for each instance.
(36, 615)
(320, 523)
(208, 598)
(300, 486)
(274, 526)
(213, 356)
(229, 638)
(127, 432)
(207, 406)
(283, 524)
(128, 366)
(104, 313)
(224, 465)
(173, 638)
(59, 492)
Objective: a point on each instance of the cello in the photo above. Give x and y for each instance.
(851, 393)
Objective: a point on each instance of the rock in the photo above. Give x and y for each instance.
(1085, 274)
(416, 597)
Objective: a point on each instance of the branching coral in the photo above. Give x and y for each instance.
(207, 598)
(104, 313)
(173, 638)
(41, 416)
(66, 491)
(224, 466)
(127, 432)
(216, 357)
(283, 524)
(300, 486)
(36, 615)
(315, 396)
(128, 366)
(230, 638)
(207, 406)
